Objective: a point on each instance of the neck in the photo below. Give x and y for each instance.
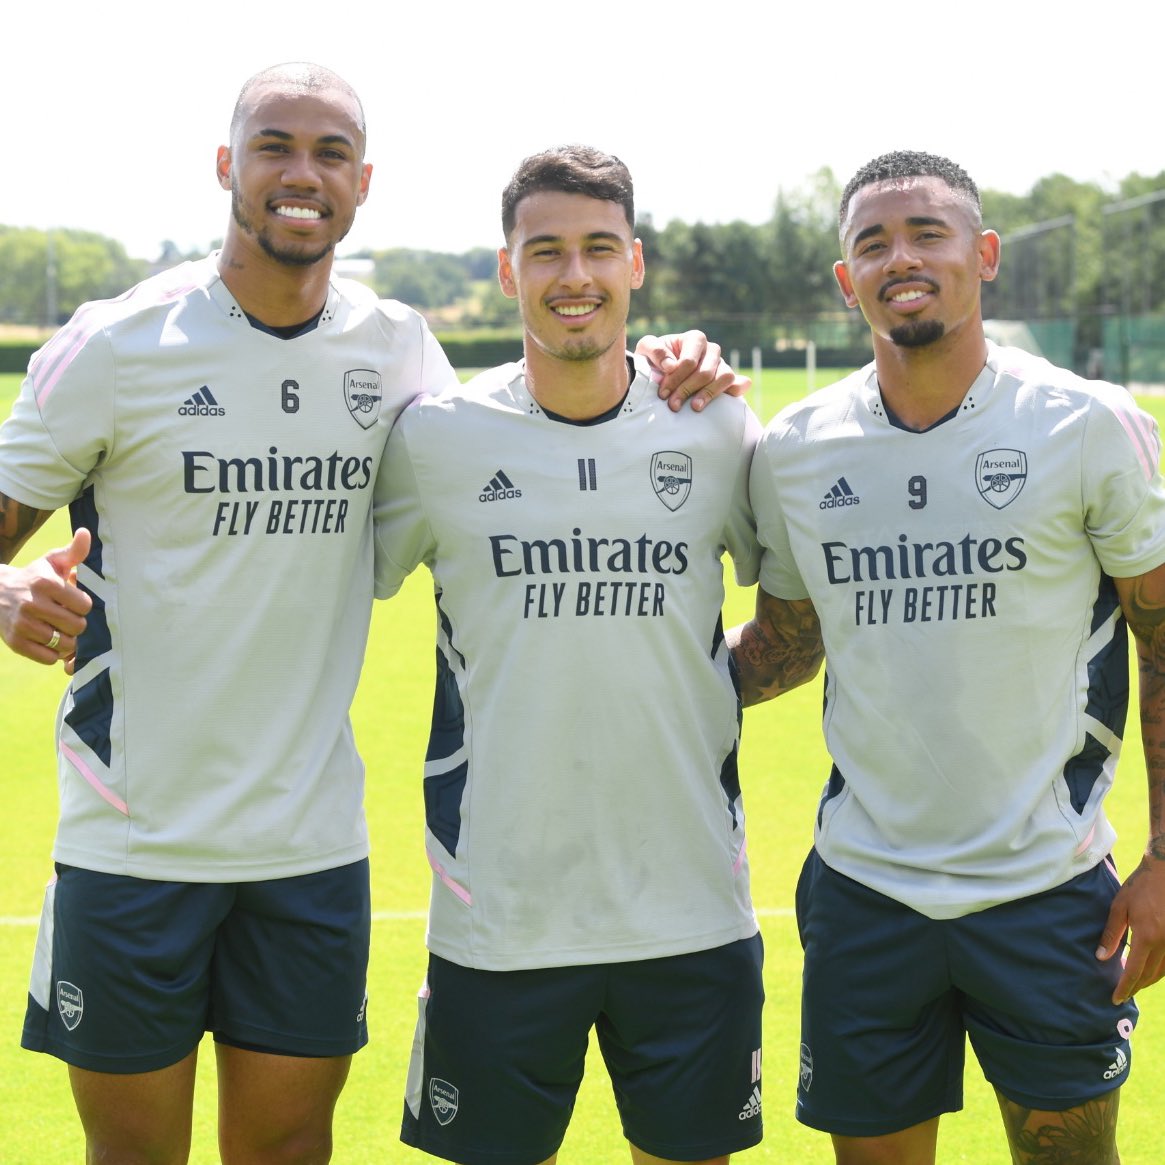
(922, 385)
(577, 389)
(276, 293)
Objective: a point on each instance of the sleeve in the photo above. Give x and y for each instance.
(437, 374)
(403, 538)
(1124, 496)
(740, 532)
(779, 575)
(61, 424)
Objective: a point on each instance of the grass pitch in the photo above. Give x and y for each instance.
(783, 767)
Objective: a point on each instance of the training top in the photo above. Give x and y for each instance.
(227, 477)
(581, 792)
(976, 658)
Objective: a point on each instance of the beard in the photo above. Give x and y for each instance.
(918, 333)
(288, 256)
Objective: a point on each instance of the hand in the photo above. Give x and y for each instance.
(692, 369)
(42, 600)
(1139, 906)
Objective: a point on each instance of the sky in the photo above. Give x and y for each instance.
(114, 111)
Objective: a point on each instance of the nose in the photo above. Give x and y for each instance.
(300, 170)
(900, 256)
(576, 271)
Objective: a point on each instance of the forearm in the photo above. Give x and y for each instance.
(1151, 667)
(1143, 602)
(779, 649)
(18, 523)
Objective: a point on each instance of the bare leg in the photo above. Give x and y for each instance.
(639, 1157)
(277, 1110)
(916, 1145)
(1085, 1135)
(140, 1118)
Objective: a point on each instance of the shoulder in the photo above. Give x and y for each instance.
(823, 411)
(1045, 385)
(98, 326)
(461, 405)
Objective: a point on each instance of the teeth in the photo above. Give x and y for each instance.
(907, 296)
(577, 310)
(297, 212)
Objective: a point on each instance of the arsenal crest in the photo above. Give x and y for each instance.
(443, 1099)
(999, 475)
(362, 395)
(671, 477)
(70, 1003)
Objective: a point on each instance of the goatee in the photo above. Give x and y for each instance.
(917, 333)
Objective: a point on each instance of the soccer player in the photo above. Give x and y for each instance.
(217, 433)
(584, 819)
(965, 531)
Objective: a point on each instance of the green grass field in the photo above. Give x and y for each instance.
(784, 766)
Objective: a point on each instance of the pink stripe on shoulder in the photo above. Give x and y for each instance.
(103, 791)
(54, 358)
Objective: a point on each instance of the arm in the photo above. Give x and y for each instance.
(779, 649)
(1140, 903)
(39, 601)
(692, 369)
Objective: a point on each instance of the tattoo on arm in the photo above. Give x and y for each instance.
(779, 649)
(18, 523)
(1145, 612)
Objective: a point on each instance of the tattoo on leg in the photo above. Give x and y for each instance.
(1085, 1135)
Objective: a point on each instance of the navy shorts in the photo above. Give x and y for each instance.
(129, 973)
(498, 1055)
(889, 997)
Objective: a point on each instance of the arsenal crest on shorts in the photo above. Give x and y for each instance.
(70, 1003)
(999, 475)
(443, 1099)
(362, 395)
(671, 477)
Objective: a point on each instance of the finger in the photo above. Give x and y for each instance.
(1130, 976)
(1115, 928)
(65, 560)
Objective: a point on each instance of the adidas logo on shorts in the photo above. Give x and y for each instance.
(1118, 1067)
(751, 1107)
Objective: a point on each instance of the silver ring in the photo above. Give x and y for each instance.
(53, 640)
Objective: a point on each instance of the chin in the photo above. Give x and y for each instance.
(918, 333)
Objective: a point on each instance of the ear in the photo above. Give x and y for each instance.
(222, 167)
(638, 271)
(841, 274)
(506, 274)
(365, 178)
(990, 247)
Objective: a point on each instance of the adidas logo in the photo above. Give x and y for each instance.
(751, 1106)
(201, 404)
(498, 488)
(839, 494)
(1118, 1067)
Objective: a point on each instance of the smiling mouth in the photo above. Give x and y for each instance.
(302, 213)
(571, 310)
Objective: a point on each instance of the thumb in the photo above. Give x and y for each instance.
(66, 560)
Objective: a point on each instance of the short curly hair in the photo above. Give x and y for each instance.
(900, 164)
